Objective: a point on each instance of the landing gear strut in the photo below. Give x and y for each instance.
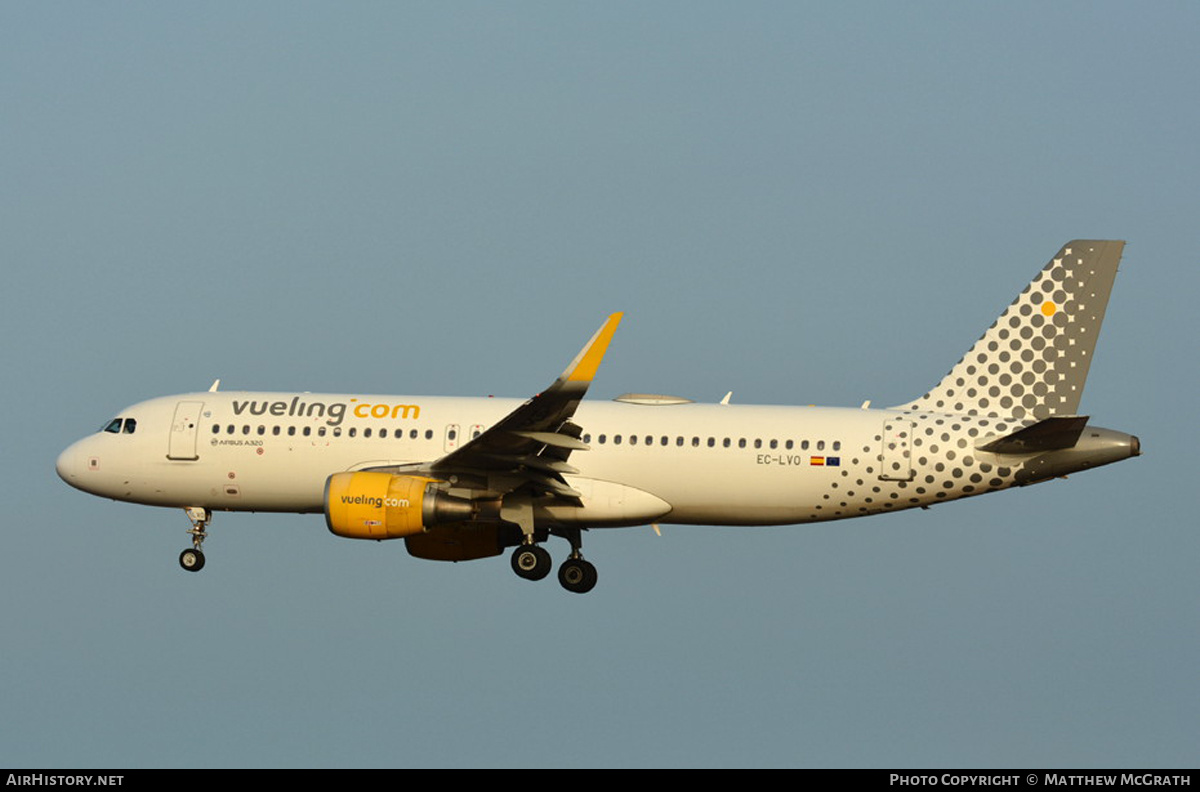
(192, 559)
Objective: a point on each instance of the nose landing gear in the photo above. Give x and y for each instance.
(192, 559)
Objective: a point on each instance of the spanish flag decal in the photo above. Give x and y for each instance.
(823, 461)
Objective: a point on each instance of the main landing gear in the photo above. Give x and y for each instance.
(576, 575)
(192, 559)
(531, 562)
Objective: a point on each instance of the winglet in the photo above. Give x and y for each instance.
(583, 367)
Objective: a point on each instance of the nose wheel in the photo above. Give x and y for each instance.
(192, 559)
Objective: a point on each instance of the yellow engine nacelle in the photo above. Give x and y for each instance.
(367, 505)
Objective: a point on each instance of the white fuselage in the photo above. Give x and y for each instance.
(673, 463)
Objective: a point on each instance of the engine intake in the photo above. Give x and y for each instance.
(367, 505)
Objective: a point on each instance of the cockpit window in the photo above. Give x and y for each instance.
(118, 425)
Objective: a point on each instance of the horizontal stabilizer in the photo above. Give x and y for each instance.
(1048, 434)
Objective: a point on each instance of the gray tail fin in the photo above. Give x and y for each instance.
(1033, 361)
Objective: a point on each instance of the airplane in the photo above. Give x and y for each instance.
(467, 478)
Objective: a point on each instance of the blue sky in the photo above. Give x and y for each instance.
(799, 202)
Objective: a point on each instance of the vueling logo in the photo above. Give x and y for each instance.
(368, 500)
(333, 413)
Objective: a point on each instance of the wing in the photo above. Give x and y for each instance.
(528, 448)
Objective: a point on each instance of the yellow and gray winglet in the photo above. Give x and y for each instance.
(583, 367)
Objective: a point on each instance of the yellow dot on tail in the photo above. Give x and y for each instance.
(1049, 308)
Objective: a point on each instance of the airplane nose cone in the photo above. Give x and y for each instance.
(66, 465)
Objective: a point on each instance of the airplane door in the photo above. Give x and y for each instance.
(184, 430)
(452, 438)
(897, 451)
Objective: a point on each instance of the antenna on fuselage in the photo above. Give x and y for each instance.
(216, 382)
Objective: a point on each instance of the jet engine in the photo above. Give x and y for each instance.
(368, 505)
